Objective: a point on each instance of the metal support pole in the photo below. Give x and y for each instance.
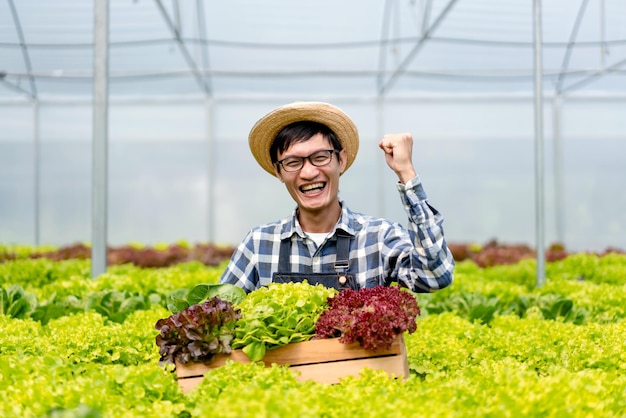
(36, 172)
(100, 138)
(381, 161)
(539, 178)
(559, 208)
(210, 201)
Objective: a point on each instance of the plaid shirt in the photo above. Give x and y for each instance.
(381, 251)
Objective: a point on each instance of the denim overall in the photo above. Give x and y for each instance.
(340, 279)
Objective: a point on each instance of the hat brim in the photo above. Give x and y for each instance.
(264, 132)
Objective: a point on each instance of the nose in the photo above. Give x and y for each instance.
(308, 169)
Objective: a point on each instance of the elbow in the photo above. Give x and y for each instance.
(431, 285)
(445, 280)
(446, 274)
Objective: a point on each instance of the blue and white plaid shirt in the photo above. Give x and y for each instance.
(381, 251)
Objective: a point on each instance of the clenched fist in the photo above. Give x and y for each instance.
(398, 150)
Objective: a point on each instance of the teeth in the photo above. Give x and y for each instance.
(312, 186)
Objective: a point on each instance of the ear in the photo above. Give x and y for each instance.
(343, 160)
(279, 175)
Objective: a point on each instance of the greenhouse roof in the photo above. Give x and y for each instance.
(349, 47)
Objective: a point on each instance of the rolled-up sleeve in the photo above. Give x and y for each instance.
(425, 264)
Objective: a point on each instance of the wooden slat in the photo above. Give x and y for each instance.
(199, 369)
(334, 372)
(188, 384)
(313, 351)
(324, 361)
(316, 351)
(404, 357)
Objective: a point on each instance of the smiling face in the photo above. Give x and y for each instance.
(314, 189)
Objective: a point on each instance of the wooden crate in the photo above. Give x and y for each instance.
(324, 361)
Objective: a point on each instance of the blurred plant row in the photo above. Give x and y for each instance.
(163, 255)
(492, 344)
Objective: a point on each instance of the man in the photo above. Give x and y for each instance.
(308, 146)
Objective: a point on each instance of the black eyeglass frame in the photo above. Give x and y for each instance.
(308, 157)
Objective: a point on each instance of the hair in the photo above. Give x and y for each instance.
(299, 132)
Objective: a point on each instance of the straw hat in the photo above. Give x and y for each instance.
(265, 130)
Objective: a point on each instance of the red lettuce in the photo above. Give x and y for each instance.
(373, 317)
(198, 332)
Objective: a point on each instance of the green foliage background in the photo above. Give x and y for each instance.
(491, 345)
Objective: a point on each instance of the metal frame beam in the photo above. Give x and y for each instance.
(24, 48)
(14, 86)
(420, 44)
(183, 49)
(36, 131)
(204, 48)
(570, 45)
(557, 141)
(382, 54)
(428, 6)
(485, 75)
(597, 74)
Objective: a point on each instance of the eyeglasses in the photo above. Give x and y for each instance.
(318, 159)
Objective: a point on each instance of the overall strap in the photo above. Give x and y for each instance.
(342, 263)
(284, 266)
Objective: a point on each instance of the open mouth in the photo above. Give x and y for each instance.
(312, 188)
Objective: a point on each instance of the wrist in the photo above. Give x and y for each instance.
(405, 176)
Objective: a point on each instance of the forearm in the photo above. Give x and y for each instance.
(430, 260)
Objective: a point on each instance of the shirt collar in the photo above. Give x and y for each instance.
(345, 223)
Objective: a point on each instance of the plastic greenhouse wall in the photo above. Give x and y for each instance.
(474, 155)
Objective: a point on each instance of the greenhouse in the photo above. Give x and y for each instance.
(124, 125)
(187, 79)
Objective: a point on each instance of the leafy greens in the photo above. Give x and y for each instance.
(197, 332)
(279, 314)
(373, 317)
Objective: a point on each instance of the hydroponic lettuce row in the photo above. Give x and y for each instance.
(198, 332)
(371, 317)
(163, 255)
(464, 361)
